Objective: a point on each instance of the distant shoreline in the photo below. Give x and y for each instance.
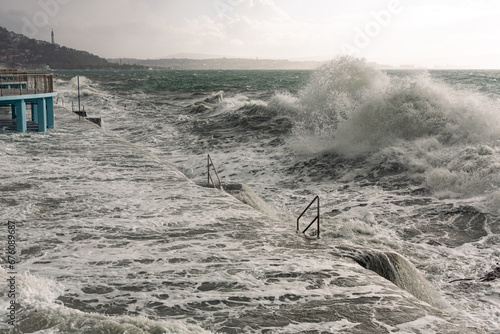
(220, 64)
(254, 64)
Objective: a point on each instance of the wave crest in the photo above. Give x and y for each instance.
(353, 109)
(334, 92)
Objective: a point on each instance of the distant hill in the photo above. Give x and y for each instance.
(184, 55)
(17, 50)
(221, 63)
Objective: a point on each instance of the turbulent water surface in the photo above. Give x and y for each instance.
(117, 232)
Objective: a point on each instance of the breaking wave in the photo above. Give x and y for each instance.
(444, 137)
(237, 118)
(362, 110)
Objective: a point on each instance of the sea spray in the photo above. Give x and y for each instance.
(362, 110)
(442, 137)
(334, 91)
(416, 107)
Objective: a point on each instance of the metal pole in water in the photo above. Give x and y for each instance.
(78, 81)
(318, 217)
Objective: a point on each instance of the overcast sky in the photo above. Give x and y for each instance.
(423, 32)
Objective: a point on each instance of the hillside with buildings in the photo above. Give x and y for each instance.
(17, 50)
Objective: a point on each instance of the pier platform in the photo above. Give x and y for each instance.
(17, 90)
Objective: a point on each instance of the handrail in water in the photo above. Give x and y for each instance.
(209, 176)
(316, 199)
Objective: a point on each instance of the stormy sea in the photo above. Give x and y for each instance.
(120, 229)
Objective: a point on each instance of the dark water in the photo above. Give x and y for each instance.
(155, 81)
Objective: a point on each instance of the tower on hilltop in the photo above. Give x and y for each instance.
(52, 35)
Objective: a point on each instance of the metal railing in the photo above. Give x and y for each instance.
(81, 113)
(25, 84)
(316, 199)
(209, 176)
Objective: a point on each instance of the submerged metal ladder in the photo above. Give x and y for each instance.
(316, 199)
(209, 176)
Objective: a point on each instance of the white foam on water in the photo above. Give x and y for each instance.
(421, 324)
(41, 312)
(341, 326)
(98, 216)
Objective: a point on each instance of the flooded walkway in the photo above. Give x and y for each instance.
(120, 234)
